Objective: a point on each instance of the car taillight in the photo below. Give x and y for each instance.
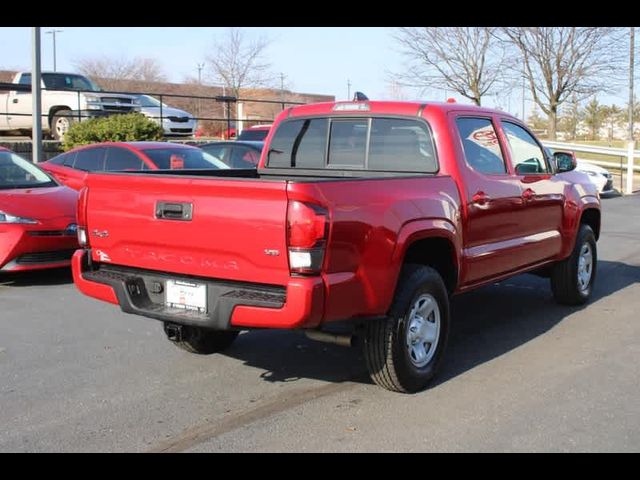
(307, 231)
(81, 215)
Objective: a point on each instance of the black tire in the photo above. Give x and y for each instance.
(59, 118)
(203, 341)
(387, 355)
(565, 284)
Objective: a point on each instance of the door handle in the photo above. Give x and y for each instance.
(480, 198)
(174, 211)
(528, 194)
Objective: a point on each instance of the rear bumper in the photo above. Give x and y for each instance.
(229, 304)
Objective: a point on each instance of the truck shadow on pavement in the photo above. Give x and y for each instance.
(487, 323)
(54, 276)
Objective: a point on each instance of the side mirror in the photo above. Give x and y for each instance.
(565, 161)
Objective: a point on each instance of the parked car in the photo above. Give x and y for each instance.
(72, 167)
(236, 154)
(68, 98)
(175, 122)
(37, 217)
(600, 177)
(256, 133)
(370, 214)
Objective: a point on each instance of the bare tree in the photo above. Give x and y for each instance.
(238, 62)
(467, 60)
(110, 69)
(563, 61)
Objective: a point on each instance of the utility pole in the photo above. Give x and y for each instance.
(53, 33)
(348, 89)
(282, 89)
(631, 145)
(36, 118)
(199, 66)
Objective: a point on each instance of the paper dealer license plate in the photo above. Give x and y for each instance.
(186, 295)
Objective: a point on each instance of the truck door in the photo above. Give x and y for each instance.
(493, 200)
(543, 194)
(19, 106)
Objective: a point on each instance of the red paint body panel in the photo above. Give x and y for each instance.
(54, 208)
(239, 226)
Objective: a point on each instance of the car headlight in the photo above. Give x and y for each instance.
(93, 102)
(6, 218)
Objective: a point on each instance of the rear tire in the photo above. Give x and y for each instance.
(404, 350)
(203, 341)
(572, 279)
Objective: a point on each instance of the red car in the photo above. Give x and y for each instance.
(362, 214)
(256, 133)
(72, 167)
(37, 217)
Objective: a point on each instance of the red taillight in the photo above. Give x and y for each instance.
(81, 217)
(306, 224)
(307, 230)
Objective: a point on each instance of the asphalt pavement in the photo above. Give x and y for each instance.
(521, 374)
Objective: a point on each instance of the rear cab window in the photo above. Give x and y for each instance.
(378, 144)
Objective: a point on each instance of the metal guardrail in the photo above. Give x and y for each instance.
(625, 165)
(578, 147)
(611, 151)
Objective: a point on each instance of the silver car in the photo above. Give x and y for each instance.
(175, 122)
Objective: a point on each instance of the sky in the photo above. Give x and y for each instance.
(319, 60)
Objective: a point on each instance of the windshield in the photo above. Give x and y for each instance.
(147, 101)
(183, 158)
(16, 172)
(63, 81)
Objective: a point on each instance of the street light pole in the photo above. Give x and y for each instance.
(53, 32)
(348, 89)
(631, 145)
(36, 118)
(282, 90)
(200, 67)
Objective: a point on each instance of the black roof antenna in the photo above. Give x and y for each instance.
(360, 97)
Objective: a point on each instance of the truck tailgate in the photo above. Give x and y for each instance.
(236, 229)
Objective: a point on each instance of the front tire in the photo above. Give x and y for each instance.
(61, 121)
(404, 350)
(572, 279)
(203, 341)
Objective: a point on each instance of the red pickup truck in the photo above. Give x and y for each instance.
(371, 212)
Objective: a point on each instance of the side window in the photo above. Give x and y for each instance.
(481, 145)
(118, 159)
(90, 160)
(244, 157)
(348, 143)
(401, 145)
(69, 159)
(300, 144)
(526, 154)
(219, 151)
(25, 79)
(59, 159)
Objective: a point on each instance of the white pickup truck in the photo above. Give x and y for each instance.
(66, 98)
